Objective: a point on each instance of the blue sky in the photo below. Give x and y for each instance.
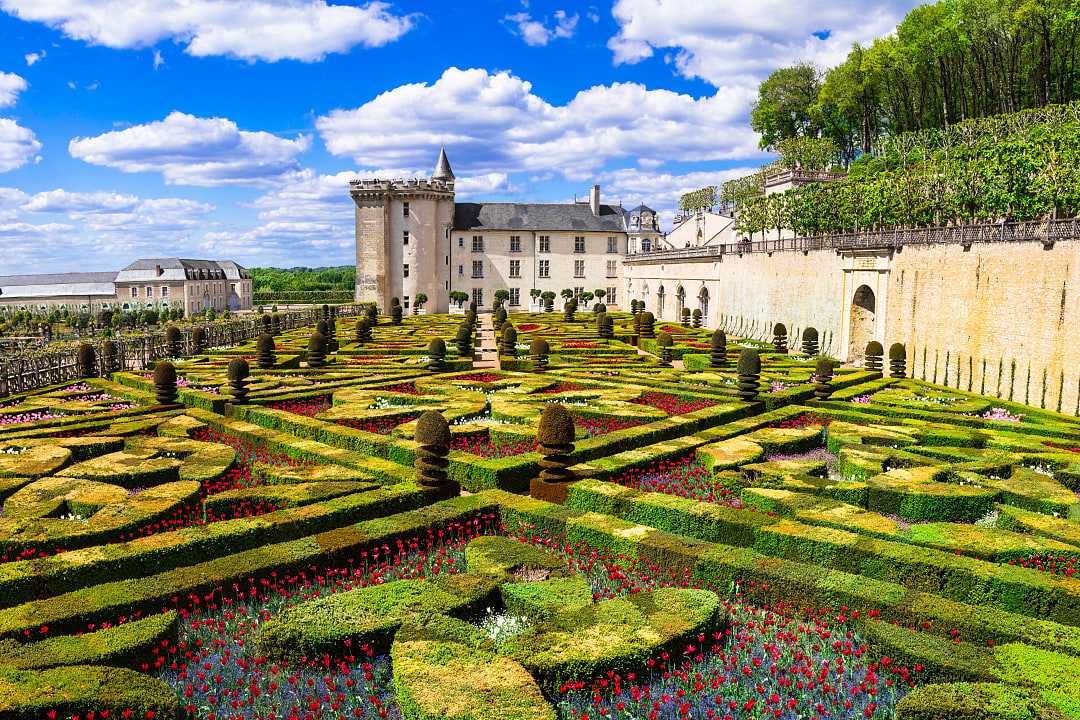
(229, 128)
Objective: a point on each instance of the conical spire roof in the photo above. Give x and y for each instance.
(442, 167)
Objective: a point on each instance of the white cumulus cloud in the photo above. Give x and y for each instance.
(268, 30)
(189, 150)
(10, 87)
(18, 145)
(493, 122)
(539, 32)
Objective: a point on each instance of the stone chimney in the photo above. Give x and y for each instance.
(594, 200)
(158, 271)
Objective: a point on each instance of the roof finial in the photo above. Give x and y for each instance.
(442, 167)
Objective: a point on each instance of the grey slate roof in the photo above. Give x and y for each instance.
(554, 217)
(145, 269)
(57, 278)
(442, 167)
(57, 285)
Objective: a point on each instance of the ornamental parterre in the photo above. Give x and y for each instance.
(384, 536)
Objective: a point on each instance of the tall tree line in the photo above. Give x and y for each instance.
(947, 62)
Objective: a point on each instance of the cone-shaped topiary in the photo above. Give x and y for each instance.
(266, 357)
(238, 375)
(718, 349)
(568, 311)
(275, 324)
(198, 339)
(433, 447)
(436, 351)
(500, 318)
(373, 315)
(897, 360)
(363, 331)
(648, 323)
(874, 353)
(326, 312)
(539, 351)
(749, 374)
(686, 317)
(165, 383)
(823, 379)
(637, 323)
(316, 353)
(810, 341)
(463, 340)
(267, 325)
(331, 334)
(664, 343)
(395, 315)
(697, 318)
(87, 360)
(173, 341)
(323, 328)
(508, 346)
(779, 337)
(606, 328)
(635, 307)
(555, 438)
(110, 356)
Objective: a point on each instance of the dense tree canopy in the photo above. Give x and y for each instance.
(267, 280)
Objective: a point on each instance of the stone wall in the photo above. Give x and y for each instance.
(1001, 319)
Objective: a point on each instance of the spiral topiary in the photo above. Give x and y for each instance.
(539, 350)
(874, 354)
(87, 360)
(648, 325)
(275, 324)
(718, 349)
(363, 331)
(810, 341)
(555, 440)
(238, 374)
(779, 337)
(664, 342)
(635, 307)
(568, 311)
(749, 374)
(686, 317)
(897, 360)
(323, 328)
(607, 326)
(599, 308)
(110, 356)
(267, 324)
(173, 342)
(198, 339)
(697, 318)
(637, 323)
(331, 334)
(165, 383)
(265, 357)
(499, 320)
(508, 346)
(326, 312)
(395, 314)
(372, 315)
(823, 379)
(437, 354)
(433, 447)
(463, 340)
(316, 354)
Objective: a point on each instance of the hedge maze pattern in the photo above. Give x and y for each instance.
(717, 528)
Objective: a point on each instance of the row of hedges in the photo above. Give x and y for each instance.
(301, 297)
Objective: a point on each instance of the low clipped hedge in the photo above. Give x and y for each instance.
(79, 689)
(120, 645)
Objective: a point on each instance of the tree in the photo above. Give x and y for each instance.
(599, 294)
(567, 293)
(418, 302)
(783, 107)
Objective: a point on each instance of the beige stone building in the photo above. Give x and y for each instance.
(413, 238)
(193, 285)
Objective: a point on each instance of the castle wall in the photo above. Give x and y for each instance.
(372, 251)
(999, 318)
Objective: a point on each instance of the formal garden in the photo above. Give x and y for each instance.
(617, 518)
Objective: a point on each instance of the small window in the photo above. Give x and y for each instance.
(515, 268)
(405, 272)
(405, 238)
(579, 268)
(646, 245)
(406, 302)
(478, 268)
(134, 292)
(515, 243)
(579, 244)
(545, 243)
(149, 291)
(478, 243)
(164, 291)
(478, 296)
(405, 209)
(609, 297)
(613, 244)
(461, 242)
(460, 269)
(515, 296)
(612, 268)
(545, 268)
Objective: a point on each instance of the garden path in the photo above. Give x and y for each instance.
(486, 349)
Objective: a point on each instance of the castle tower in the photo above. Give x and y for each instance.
(403, 238)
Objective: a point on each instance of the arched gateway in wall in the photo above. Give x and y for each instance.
(863, 316)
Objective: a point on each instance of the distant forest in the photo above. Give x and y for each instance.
(304, 279)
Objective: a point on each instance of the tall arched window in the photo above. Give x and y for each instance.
(703, 305)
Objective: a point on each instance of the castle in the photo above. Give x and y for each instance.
(413, 239)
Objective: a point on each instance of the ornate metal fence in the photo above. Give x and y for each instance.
(44, 367)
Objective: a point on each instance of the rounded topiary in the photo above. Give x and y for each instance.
(266, 322)
(539, 350)
(635, 307)
(749, 374)
(823, 379)
(606, 326)
(331, 334)
(779, 337)
(897, 360)
(173, 341)
(265, 357)
(648, 325)
(165, 383)
(433, 447)
(110, 356)
(508, 346)
(316, 354)
(472, 307)
(198, 339)
(686, 317)
(323, 328)
(664, 342)
(372, 313)
(697, 318)
(238, 374)
(568, 311)
(463, 340)
(87, 360)
(395, 314)
(500, 317)
(363, 331)
(718, 349)
(275, 323)
(874, 354)
(555, 440)
(437, 354)
(599, 308)
(810, 341)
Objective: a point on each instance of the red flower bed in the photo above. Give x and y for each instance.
(1046, 562)
(802, 421)
(580, 344)
(483, 445)
(308, 407)
(528, 327)
(561, 388)
(1060, 446)
(380, 426)
(484, 377)
(673, 404)
(601, 426)
(684, 477)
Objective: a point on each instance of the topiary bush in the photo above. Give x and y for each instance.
(173, 341)
(198, 339)
(568, 311)
(433, 448)
(555, 438)
(265, 357)
(437, 355)
(686, 317)
(316, 353)
(648, 325)
(508, 346)
(897, 360)
(749, 374)
(874, 353)
(463, 340)
(165, 383)
(87, 360)
(664, 342)
(697, 318)
(539, 350)
(779, 337)
(718, 349)
(110, 358)
(238, 373)
(823, 379)
(810, 341)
